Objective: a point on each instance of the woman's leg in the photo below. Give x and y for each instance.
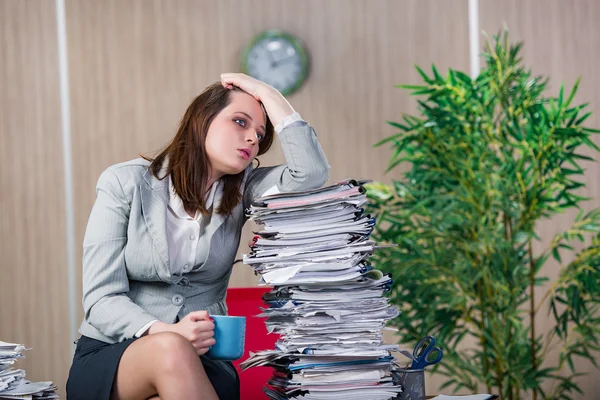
(164, 364)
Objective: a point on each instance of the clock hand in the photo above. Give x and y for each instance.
(272, 62)
(281, 61)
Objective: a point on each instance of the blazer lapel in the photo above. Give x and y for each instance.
(155, 197)
(216, 219)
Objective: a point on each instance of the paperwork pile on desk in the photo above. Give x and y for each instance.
(327, 301)
(12, 381)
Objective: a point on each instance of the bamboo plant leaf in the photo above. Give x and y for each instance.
(484, 161)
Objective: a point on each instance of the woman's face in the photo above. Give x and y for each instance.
(233, 136)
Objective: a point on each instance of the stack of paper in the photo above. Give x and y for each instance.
(327, 301)
(12, 381)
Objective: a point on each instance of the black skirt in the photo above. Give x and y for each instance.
(95, 365)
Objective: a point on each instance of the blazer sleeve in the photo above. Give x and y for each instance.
(306, 165)
(105, 282)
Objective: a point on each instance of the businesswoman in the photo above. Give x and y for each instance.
(162, 237)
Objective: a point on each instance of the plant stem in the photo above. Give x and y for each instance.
(500, 377)
(507, 227)
(532, 311)
(508, 237)
(482, 340)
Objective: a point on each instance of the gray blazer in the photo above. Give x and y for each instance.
(126, 277)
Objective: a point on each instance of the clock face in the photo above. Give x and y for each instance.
(278, 60)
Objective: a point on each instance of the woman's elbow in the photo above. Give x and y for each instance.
(315, 177)
(321, 175)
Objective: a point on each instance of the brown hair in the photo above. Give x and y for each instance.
(188, 163)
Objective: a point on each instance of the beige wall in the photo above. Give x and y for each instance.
(33, 268)
(134, 66)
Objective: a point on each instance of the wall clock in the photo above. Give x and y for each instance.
(277, 58)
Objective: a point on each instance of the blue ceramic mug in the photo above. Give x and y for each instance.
(230, 334)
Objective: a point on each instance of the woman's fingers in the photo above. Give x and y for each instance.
(203, 346)
(228, 79)
(203, 343)
(196, 316)
(203, 326)
(204, 334)
(244, 82)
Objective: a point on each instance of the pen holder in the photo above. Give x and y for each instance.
(413, 384)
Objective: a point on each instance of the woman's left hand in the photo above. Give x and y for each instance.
(276, 106)
(248, 84)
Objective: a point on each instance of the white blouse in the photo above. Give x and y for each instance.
(185, 234)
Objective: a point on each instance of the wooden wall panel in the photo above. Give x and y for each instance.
(561, 40)
(33, 267)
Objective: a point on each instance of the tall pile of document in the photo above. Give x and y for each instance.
(12, 381)
(327, 300)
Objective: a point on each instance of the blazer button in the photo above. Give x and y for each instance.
(177, 300)
(184, 281)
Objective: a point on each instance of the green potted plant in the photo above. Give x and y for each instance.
(488, 159)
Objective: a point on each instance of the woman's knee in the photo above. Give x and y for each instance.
(174, 352)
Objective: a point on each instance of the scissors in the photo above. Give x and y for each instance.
(422, 351)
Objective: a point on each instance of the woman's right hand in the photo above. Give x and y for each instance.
(196, 327)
